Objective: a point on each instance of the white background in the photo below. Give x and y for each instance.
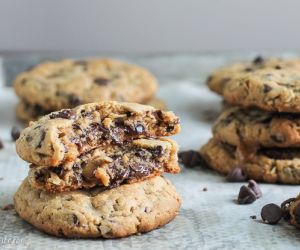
(128, 26)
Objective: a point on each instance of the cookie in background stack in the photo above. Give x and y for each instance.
(95, 170)
(51, 86)
(259, 131)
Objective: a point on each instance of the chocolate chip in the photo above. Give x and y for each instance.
(63, 114)
(277, 67)
(278, 138)
(8, 207)
(255, 188)
(101, 81)
(43, 135)
(1, 145)
(58, 170)
(271, 213)
(75, 220)
(258, 60)
(236, 175)
(267, 88)
(15, 133)
(157, 151)
(140, 153)
(170, 128)
(296, 213)
(285, 208)
(159, 115)
(204, 189)
(246, 195)
(74, 100)
(253, 217)
(190, 158)
(139, 128)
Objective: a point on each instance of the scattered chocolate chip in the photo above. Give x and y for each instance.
(258, 60)
(278, 138)
(75, 220)
(15, 133)
(253, 217)
(8, 207)
(271, 213)
(101, 81)
(285, 208)
(255, 188)
(63, 114)
(296, 213)
(190, 158)
(204, 189)
(246, 195)
(267, 88)
(277, 67)
(1, 144)
(236, 175)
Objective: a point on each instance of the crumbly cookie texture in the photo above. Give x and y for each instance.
(69, 83)
(270, 84)
(119, 212)
(27, 112)
(293, 208)
(109, 166)
(64, 135)
(281, 165)
(256, 128)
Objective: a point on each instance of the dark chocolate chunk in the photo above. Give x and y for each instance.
(170, 128)
(75, 220)
(190, 158)
(15, 133)
(255, 188)
(101, 81)
(1, 144)
(58, 170)
(267, 88)
(258, 60)
(236, 175)
(285, 208)
(271, 213)
(278, 138)
(296, 213)
(63, 114)
(246, 195)
(159, 115)
(43, 135)
(74, 100)
(277, 67)
(157, 151)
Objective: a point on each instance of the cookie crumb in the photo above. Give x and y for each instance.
(253, 217)
(8, 207)
(204, 189)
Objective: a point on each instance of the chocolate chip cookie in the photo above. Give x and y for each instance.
(119, 212)
(109, 166)
(257, 128)
(64, 135)
(274, 165)
(269, 84)
(68, 83)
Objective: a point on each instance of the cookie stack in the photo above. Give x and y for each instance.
(258, 130)
(53, 86)
(95, 170)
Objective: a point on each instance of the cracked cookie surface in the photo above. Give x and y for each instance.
(69, 83)
(64, 135)
(270, 84)
(119, 212)
(257, 128)
(273, 165)
(109, 166)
